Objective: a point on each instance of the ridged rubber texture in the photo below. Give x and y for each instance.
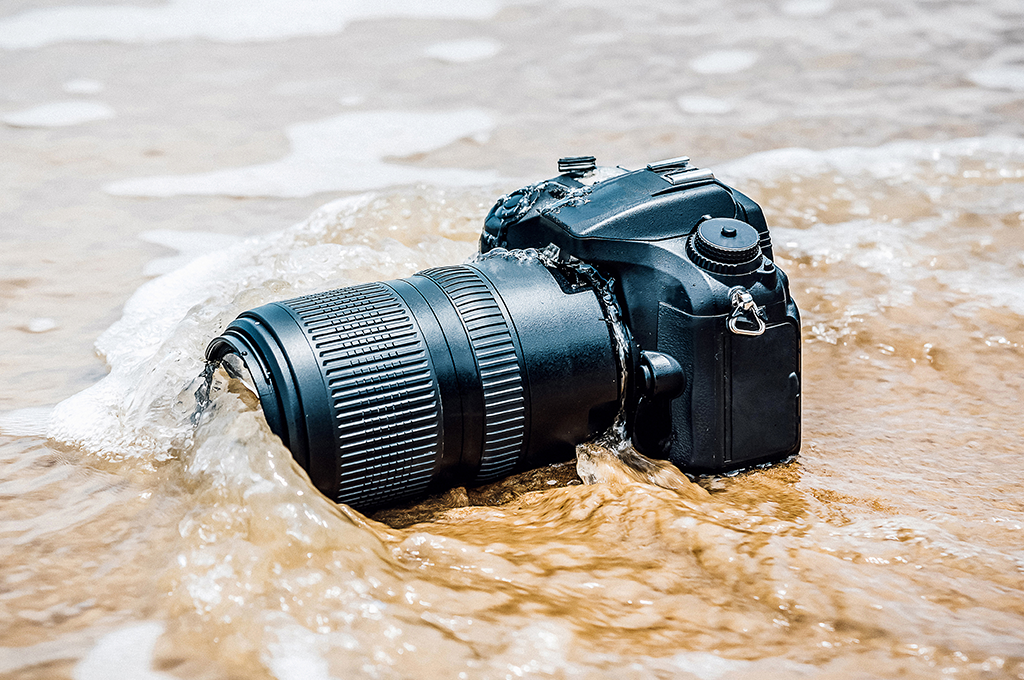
(707, 261)
(385, 401)
(498, 366)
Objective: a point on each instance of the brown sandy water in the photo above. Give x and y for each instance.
(137, 546)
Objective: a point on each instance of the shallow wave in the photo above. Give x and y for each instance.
(890, 546)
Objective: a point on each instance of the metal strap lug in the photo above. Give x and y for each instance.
(746, 312)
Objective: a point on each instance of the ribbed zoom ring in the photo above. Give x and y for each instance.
(498, 366)
(385, 402)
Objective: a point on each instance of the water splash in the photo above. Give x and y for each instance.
(888, 546)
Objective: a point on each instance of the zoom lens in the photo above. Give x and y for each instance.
(457, 375)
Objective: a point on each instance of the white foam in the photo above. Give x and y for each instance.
(229, 21)
(464, 51)
(724, 61)
(125, 654)
(348, 152)
(83, 86)
(157, 345)
(607, 38)
(59, 114)
(25, 422)
(807, 8)
(700, 104)
(351, 100)
(868, 242)
(156, 349)
(708, 666)
(1003, 70)
(296, 654)
(539, 649)
(189, 244)
(40, 324)
(889, 161)
(999, 78)
(72, 645)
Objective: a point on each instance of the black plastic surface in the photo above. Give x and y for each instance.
(463, 374)
(660, 237)
(456, 375)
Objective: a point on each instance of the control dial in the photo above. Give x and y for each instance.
(725, 246)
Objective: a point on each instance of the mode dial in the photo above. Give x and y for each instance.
(725, 246)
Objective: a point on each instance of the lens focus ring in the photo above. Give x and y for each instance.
(386, 407)
(498, 366)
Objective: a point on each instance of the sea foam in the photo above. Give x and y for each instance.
(59, 114)
(157, 347)
(349, 152)
(230, 21)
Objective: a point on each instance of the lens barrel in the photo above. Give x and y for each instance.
(457, 375)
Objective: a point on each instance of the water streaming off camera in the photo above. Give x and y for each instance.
(136, 545)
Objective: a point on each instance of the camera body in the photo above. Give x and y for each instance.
(713, 336)
(646, 302)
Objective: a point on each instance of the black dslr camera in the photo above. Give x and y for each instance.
(647, 301)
